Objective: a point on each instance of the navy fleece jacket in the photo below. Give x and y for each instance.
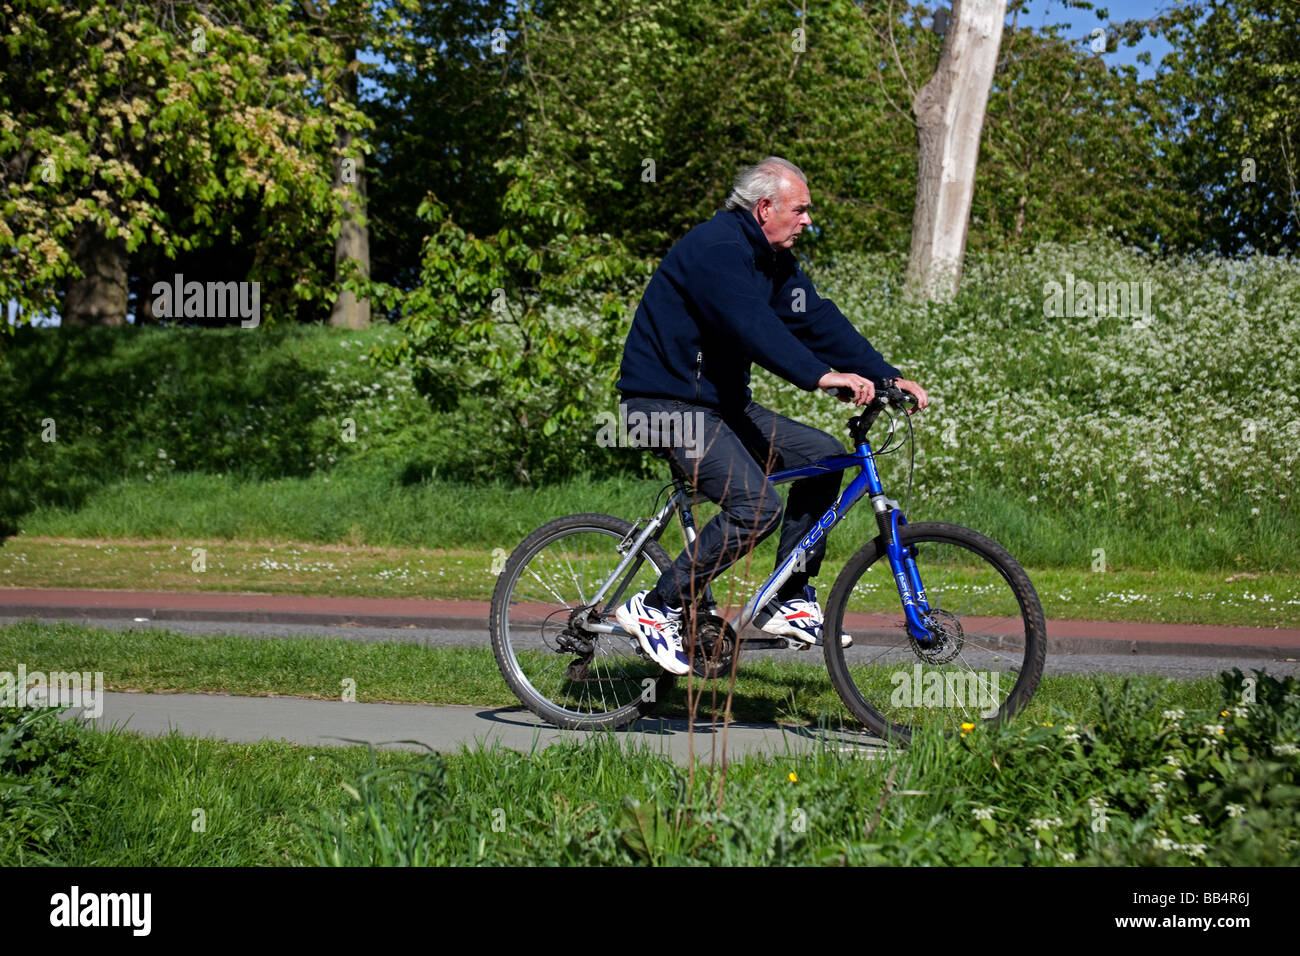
(723, 299)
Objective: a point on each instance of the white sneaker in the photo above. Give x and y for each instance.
(799, 618)
(658, 633)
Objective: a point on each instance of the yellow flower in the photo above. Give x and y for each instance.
(1223, 713)
(793, 777)
(967, 726)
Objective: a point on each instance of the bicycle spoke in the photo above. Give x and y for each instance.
(584, 677)
(980, 639)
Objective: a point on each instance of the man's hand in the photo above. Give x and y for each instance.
(922, 400)
(862, 388)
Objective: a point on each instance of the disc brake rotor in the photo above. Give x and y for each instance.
(948, 636)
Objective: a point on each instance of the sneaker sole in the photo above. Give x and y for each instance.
(630, 626)
(802, 637)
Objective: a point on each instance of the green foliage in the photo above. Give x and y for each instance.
(1051, 423)
(488, 321)
(1143, 785)
(1234, 80)
(1070, 146)
(140, 402)
(42, 761)
(174, 132)
(405, 813)
(445, 108)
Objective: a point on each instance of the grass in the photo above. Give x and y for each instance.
(278, 567)
(160, 661)
(1026, 795)
(371, 506)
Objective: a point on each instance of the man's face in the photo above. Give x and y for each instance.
(781, 224)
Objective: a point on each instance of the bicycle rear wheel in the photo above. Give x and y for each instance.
(990, 635)
(559, 669)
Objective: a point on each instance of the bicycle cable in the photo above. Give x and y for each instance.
(890, 448)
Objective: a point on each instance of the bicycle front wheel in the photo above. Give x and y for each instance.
(989, 639)
(543, 608)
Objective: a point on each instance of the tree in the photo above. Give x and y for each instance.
(447, 107)
(949, 111)
(141, 132)
(1071, 145)
(1234, 80)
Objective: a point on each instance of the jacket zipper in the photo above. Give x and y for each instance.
(699, 363)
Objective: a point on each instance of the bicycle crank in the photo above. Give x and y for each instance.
(715, 647)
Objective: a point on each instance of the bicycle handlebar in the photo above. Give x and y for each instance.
(891, 396)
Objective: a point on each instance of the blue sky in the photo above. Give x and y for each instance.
(1040, 13)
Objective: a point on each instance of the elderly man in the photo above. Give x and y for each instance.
(729, 294)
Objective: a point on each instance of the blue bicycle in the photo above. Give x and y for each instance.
(946, 626)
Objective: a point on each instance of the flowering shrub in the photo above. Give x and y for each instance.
(1197, 403)
(1184, 418)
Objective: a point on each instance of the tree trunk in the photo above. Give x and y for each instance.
(949, 112)
(353, 242)
(99, 296)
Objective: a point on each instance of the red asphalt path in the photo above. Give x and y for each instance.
(1079, 637)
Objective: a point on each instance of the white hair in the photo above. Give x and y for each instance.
(761, 181)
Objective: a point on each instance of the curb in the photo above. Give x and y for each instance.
(1056, 643)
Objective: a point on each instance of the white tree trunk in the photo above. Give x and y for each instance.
(949, 112)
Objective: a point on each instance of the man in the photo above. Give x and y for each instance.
(729, 294)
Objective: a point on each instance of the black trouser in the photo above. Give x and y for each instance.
(728, 456)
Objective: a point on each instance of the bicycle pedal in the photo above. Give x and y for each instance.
(792, 645)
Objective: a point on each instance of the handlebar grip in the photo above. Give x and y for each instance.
(892, 395)
(898, 396)
(840, 392)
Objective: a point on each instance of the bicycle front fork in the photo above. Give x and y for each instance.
(902, 561)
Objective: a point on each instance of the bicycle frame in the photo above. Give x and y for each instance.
(889, 517)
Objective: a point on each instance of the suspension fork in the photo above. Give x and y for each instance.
(902, 562)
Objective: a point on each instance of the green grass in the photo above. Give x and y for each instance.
(340, 570)
(370, 507)
(1024, 795)
(161, 661)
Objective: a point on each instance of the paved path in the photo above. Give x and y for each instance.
(441, 727)
(1073, 646)
(1063, 637)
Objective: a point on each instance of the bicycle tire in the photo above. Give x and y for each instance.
(530, 629)
(986, 613)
